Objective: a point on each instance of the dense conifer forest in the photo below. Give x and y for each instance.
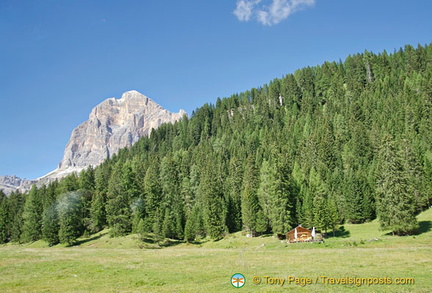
(341, 142)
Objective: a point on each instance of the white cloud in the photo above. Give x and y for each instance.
(244, 9)
(274, 13)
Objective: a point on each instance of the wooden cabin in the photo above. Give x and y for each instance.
(300, 234)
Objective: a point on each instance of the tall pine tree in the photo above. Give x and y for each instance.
(395, 199)
(4, 219)
(32, 216)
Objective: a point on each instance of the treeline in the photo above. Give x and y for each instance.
(342, 142)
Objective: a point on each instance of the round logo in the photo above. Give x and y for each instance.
(238, 280)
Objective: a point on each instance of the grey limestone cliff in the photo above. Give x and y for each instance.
(11, 183)
(112, 125)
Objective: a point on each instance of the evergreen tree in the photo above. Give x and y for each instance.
(4, 219)
(395, 198)
(195, 226)
(50, 225)
(68, 183)
(70, 209)
(250, 209)
(16, 204)
(169, 224)
(282, 197)
(187, 195)
(354, 208)
(426, 200)
(414, 174)
(267, 188)
(32, 216)
(321, 213)
(50, 221)
(190, 229)
(211, 192)
(173, 203)
(118, 211)
(97, 212)
(261, 222)
(250, 205)
(152, 194)
(333, 214)
(234, 189)
(86, 179)
(97, 208)
(313, 207)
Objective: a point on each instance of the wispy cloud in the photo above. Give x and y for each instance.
(245, 9)
(269, 14)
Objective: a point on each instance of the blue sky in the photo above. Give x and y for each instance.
(58, 59)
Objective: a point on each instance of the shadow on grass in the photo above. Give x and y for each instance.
(95, 237)
(339, 233)
(153, 242)
(424, 226)
(170, 242)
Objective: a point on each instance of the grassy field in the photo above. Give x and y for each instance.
(103, 264)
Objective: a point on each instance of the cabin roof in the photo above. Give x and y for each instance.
(300, 229)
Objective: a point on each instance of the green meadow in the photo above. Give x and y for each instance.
(129, 264)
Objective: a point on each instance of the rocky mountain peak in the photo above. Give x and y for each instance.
(12, 183)
(112, 125)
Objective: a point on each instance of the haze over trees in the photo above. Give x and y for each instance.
(341, 142)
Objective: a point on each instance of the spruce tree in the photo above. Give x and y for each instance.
(118, 211)
(321, 214)
(234, 189)
(250, 204)
(395, 197)
(68, 183)
(50, 225)
(213, 202)
(138, 215)
(70, 209)
(152, 195)
(333, 214)
(97, 212)
(4, 219)
(195, 226)
(98, 204)
(426, 200)
(32, 216)
(16, 202)
(354, 198)
(172, 201)
(169, 224)
(86, 179)
(267, 187)
(50, 221)
(250, 209)
(275, 194)
(282, 201)
(190, 229)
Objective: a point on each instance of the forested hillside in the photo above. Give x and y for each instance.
(341, 142)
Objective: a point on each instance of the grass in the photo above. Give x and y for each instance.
(104, 264)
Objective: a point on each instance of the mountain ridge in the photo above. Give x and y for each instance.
(112, 124)
(10, 183)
